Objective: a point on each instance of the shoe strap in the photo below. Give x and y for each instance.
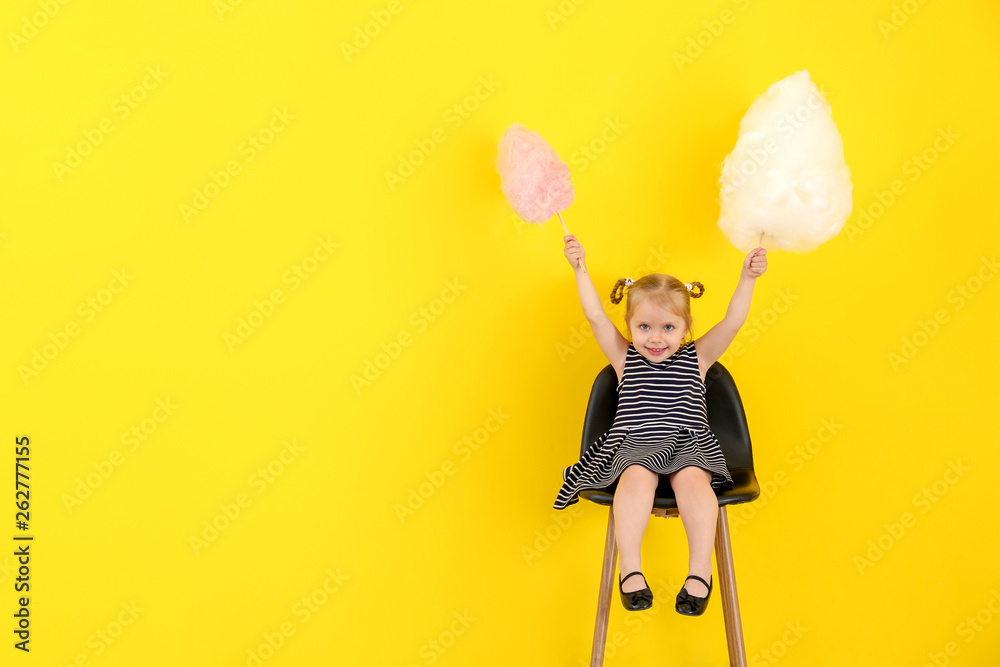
(622, 581)
(695, 576)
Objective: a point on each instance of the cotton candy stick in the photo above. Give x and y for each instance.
(535, 181)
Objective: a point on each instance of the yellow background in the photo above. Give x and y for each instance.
(412, 509)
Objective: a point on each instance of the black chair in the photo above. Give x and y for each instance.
(729, 423)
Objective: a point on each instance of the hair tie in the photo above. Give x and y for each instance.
(629, 281)
(689, 286)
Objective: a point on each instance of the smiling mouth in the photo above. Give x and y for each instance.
(656, 351)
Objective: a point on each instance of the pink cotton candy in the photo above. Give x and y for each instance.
(536, 182)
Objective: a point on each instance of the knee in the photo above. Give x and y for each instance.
(637, 475)
(690, 477)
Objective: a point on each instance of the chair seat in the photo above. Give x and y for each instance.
(745, 488)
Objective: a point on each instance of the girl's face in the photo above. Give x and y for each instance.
(656, 332)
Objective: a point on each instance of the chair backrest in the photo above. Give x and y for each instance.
(725, 413)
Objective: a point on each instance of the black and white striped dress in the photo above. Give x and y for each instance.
(661, 424)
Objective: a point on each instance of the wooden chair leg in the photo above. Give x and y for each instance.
(730, 601)
(604, 598)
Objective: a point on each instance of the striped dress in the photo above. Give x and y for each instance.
(661, 424)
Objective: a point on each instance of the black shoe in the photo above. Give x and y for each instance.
(636, 600)
(690, 605)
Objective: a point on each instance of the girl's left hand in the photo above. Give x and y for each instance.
(755, 264)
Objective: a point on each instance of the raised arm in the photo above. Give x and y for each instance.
(714, 344)
(609, 339)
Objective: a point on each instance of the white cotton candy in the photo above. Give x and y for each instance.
(786, 176)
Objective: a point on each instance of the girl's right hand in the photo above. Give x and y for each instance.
(573, 251)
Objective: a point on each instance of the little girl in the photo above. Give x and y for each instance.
(661, 426)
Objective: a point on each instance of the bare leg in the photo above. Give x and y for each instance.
(632, 506)
(699, 509)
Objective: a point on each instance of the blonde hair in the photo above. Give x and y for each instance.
(660, 289)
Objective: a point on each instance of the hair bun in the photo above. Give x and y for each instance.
(691, 288)
(618, 293)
